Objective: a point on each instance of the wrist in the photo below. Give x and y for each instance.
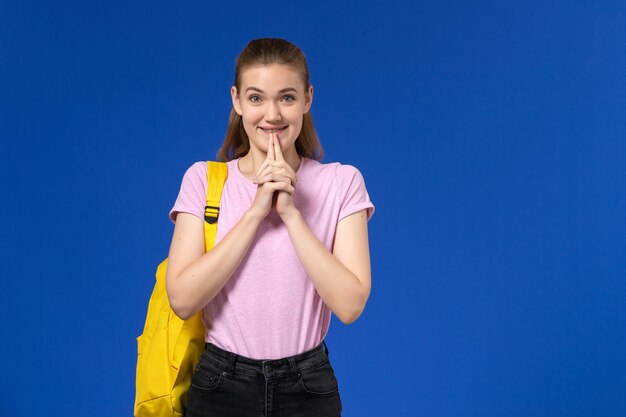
(253, 217)
(290, 216)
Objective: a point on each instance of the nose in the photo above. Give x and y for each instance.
(273, 112)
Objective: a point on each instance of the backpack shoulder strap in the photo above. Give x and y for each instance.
(216, 173)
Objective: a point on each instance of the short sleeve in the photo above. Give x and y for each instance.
(352, 192)
(192, 195)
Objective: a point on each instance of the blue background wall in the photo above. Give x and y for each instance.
(491, 138)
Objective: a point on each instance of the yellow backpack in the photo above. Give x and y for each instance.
(169, 348)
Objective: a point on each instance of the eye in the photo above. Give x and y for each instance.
(254, 98)
(288, 98)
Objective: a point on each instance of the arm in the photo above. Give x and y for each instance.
(193, 277)
(342, 278)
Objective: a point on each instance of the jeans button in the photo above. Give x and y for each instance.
(268, 368)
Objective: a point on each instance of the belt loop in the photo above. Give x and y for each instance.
(325, 347)
(294, 367)
(231, 363)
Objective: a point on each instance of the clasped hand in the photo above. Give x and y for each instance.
(276, 182)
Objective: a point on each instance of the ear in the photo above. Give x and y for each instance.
(308, 100)
(235, 98)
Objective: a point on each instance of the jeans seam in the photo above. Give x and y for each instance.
(313, 367)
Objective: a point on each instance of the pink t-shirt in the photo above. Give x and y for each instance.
(269, 308)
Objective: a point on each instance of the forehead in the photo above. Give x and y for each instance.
(271, 77)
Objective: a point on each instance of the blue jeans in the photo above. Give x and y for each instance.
(226, 385)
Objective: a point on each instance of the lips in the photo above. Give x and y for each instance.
(271, 129)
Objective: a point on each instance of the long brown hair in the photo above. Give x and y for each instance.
(268, 51)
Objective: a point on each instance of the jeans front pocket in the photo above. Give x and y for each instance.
(207, 376)
(320, 380)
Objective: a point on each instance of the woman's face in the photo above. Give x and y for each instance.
(272, 98)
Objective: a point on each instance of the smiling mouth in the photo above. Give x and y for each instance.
(273, 130)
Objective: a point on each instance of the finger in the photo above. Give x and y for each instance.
(280, 165)
(277, 151)
(286, 187)
(283, 168)
(259, 171)
(274, 177)
(270, 148)
(265, 168)
(288, 171)
(280, 186)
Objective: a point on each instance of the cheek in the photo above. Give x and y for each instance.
(295, 117)
(251, 114)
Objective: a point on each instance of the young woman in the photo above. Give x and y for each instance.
(291, 248)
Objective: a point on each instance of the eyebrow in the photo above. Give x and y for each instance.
(284, 90)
